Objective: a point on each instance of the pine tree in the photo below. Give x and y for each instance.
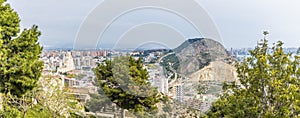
(125, 82)
(20, 67)
(269, 85)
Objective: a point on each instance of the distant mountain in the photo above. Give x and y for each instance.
(152, 46)
(195, 54)
(204, 63)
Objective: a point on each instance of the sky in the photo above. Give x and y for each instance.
(240, 23)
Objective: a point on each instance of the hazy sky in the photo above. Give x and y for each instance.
(240, 23)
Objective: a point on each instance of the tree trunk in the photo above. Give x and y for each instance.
(24, 114)
(123, 113)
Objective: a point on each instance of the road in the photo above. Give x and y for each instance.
(159, 60)
(172, 69)
(175, 78)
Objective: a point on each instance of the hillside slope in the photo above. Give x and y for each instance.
(195, 54)
(216, 71)
(201, 63)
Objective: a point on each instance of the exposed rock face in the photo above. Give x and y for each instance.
(205, 63)
(195, 54)
(211, 76)
(216, 71)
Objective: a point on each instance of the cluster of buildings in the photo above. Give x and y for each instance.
(64, 61)
(148, 56)
(157, 78)
(75, 68)
(86, 60)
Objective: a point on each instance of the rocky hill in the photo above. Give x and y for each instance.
(195, 54)
(202, 64)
